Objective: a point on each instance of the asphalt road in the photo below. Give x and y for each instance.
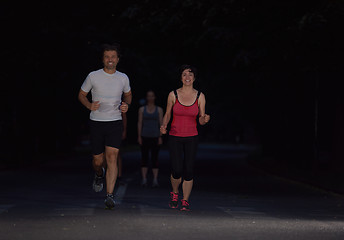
(230, 200)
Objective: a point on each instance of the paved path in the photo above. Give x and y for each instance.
(230, 200)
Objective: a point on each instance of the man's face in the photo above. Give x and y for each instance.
(110, 59)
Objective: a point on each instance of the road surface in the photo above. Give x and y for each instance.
(230, 200)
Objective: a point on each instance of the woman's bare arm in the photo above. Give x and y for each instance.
(166, 119)
(203, 117)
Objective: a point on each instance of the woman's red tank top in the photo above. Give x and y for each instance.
(184, 119)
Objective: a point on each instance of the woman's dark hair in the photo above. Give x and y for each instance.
(112, 47)
(186, 66)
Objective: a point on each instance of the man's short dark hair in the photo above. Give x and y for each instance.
(186, 66)
(112, 47)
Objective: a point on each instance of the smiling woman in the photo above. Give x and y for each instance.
(186, 103)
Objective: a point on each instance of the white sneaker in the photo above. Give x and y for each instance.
(98, 182)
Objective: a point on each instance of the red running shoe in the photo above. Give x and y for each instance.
(185, 206)
(174, 200)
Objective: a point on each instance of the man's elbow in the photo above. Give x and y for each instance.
(79, 97)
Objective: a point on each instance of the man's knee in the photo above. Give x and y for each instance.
(98, 159)
(111, 155)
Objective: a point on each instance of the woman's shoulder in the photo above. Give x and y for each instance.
(172, 94)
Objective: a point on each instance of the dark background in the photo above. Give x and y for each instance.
(271, 72)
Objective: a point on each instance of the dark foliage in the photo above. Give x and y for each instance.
(270, 70)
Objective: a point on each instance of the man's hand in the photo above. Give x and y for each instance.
(124, 107)
(94, 106)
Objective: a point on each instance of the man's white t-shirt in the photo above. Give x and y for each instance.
(107, 89)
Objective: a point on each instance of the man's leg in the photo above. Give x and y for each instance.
(119, 164)
(98, 162)
(112, 169)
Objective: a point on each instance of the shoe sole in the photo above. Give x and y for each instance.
(98, 188)
(185, 210)
(173, 207)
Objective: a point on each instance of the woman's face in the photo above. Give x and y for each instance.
(150, 97)
(188, 77)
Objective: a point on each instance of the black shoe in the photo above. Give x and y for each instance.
(109, 201)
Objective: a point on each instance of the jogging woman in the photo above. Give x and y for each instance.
(186, 103)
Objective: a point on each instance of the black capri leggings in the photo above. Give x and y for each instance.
(150, 145)
(183, 153)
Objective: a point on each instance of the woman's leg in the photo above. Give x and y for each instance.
(176, 148)
(175, 184)
(144, 160)
(190, 152)
(187, 188)
(155, 161)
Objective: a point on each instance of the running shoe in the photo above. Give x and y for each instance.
(109, 201)
(98, 182)
(185, 206)
(144, 183)
(174, 200)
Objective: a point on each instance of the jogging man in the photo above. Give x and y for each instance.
(107, 86)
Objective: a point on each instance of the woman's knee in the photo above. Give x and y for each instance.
(176, 174)
(188, 175)
(188, 178)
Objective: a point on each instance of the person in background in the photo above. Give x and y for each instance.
(149, 137)
(185, 103)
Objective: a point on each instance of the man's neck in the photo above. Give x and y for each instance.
(109, 71)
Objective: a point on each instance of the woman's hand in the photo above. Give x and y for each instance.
(163, 129)
(139, 140)
(204, 119)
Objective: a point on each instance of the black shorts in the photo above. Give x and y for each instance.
(105, 134)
